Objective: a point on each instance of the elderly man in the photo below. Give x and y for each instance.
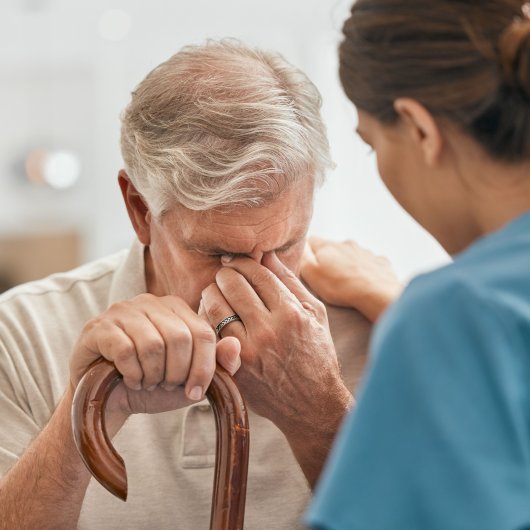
(223, 148)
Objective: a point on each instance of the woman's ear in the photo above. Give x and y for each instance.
(423, 128)
(137, 209)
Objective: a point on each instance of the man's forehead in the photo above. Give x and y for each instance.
(241, 247)
(233, 239)
(240, 229)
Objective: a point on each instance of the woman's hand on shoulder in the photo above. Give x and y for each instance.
(345, 274)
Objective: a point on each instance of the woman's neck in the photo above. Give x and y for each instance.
(502, 193)
(492, 193)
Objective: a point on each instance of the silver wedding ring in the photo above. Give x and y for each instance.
(225, 322)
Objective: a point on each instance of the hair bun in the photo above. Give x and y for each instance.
(514, 50)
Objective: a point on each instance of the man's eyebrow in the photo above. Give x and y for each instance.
(208, 248)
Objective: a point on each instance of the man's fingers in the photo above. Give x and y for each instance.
(179, 348)
(202, 363)
(217, 307)
(150, 348)
(228, 354)
(202, 349)
(262, 286)
(288, 278)
(114, 345)
(274, 283)
(157, 342)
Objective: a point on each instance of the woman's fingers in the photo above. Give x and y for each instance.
(349, 275)
(315, 243)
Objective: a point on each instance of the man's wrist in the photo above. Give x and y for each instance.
(311, 441)
(325, 418)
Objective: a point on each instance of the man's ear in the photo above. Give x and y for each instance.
(137, 209)
(423, 128)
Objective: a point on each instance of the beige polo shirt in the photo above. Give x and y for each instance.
(170, 456)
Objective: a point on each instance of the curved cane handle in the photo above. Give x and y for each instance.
(102, 460)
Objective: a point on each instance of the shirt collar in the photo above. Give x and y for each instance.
(129, 279)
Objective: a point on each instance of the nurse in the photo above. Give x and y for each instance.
(440, 438)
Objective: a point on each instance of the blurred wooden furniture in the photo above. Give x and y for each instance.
(29, 257)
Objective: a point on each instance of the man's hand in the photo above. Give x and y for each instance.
(289, 372)
(348, 275)
(158, 344)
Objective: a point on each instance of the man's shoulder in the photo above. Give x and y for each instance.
(351, 333)
(39, 323)
(345, 318)
(88, 283)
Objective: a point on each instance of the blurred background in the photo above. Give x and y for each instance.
(67, 68)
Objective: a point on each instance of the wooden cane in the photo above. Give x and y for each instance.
(107, 466)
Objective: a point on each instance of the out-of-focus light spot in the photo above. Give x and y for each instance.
(114, 25)
(34, 164)
(61, 169)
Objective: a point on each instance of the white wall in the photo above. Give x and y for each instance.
(63, 85)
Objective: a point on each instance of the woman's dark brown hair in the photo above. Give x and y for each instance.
(468, 61)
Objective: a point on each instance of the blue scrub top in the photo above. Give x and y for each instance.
(440, 438)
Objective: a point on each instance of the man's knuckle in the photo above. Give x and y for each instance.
(175, 303)
(298, 318)
(205, 334)
(182, 337)
(144, 298)
(215, 309)
(93, 324)
(120, 307)
(124, 352)
(319, 309)
(153, 348)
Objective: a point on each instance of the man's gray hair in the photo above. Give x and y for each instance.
(222, 124)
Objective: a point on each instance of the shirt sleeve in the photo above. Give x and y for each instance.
(17, 424)
(439, 439)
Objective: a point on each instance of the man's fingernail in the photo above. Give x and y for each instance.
(195, 393)
(151, 388)
(168, 387)
(226, 258)
(137, 386)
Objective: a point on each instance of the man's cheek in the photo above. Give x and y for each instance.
(199, 279)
